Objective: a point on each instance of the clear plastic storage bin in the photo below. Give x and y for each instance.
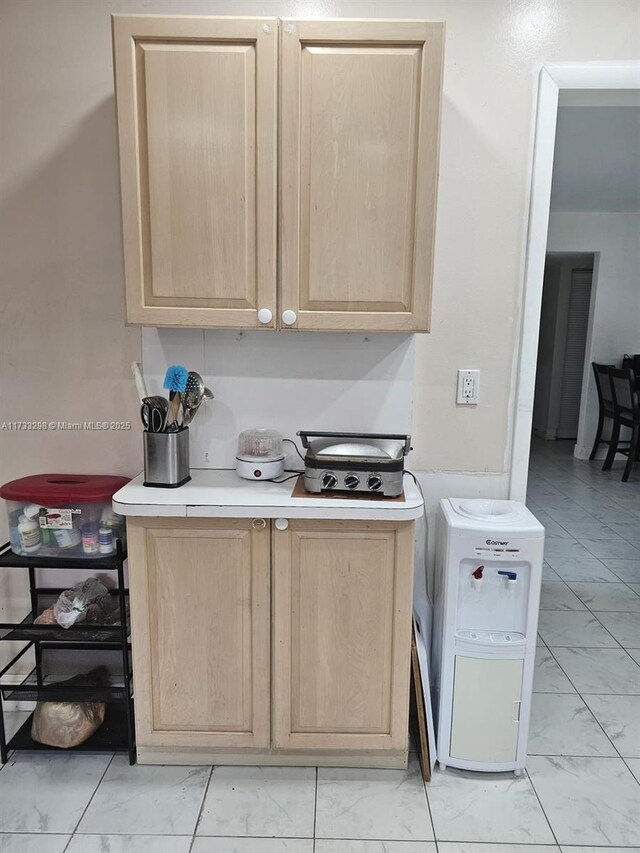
(63, 515)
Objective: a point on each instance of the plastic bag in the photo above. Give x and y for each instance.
(47, 617)
(87, 601)
(68, 724)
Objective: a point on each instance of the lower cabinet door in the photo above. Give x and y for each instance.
(486, 709)
(342, 630)
(199, 591)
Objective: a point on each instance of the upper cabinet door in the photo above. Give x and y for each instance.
(197, 108)
(359, 124)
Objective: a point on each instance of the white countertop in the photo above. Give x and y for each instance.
(216, 493)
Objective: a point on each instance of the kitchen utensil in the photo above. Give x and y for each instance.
(208, 394)
(176, 378)
(141, 388)
(175, 381)
(154, 412)
(355, 462)
(175, 415)
(260, 454)
(193, 396)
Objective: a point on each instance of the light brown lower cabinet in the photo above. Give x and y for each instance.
(257, 645)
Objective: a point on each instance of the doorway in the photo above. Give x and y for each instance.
(582, 78)
(564, 327)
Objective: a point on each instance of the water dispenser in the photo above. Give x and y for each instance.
(487, 593)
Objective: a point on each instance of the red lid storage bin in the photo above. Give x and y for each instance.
(63, 514)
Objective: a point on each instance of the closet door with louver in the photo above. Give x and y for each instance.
(573, 364)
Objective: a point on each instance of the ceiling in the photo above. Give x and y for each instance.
(597, 156)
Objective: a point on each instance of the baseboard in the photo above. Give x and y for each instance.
(581, 451)
(379, 759)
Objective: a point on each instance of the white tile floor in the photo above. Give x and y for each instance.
(581, 792)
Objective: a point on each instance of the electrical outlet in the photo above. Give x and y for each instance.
(468, 387)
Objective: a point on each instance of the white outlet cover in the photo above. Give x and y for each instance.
(468, 388)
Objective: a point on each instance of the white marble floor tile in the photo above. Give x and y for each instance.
(575, 629)
(575, 849)
(619, 716)
(635, 654)
(203, 844)
(573, 513)
(634, 766)
(588, 800)
(635, 587)
(561, 724)
(12, 722)
(557, 596)
(337, 845)
(129, 844)
(48, 791)
(469, 847)
(626, 570)
(611, 549)
(548, 677)
(569, 549)
(495, 808)
(259, 801)
(600, 670)
(22, 842)
(607, 596)
(590, 530)
(625, 627)
(552, 529)
(627, 529)
(372, 804)
(146, 800)
(590, 569)
(613, 513)
(548, 573)
(558, 503)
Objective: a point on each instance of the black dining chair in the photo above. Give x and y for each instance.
(627, 414)
(633, 362)
(606, 408)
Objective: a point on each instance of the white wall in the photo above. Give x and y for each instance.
(348, 382)
(615, 296)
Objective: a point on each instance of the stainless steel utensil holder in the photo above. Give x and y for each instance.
(166, 459)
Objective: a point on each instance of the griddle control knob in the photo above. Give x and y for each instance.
(329, 480)
(374, 482)
(352, 481)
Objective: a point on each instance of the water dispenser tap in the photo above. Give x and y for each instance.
(510, 577)
(476, 578)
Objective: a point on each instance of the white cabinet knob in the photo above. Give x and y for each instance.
(289, 317)
(282, 523)
(265, 316)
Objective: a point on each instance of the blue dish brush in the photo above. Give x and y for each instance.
(176, 378)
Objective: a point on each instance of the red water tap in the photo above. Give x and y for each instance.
(478, 573)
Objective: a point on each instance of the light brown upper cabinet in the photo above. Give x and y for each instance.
(197, 118)
(359, 106)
